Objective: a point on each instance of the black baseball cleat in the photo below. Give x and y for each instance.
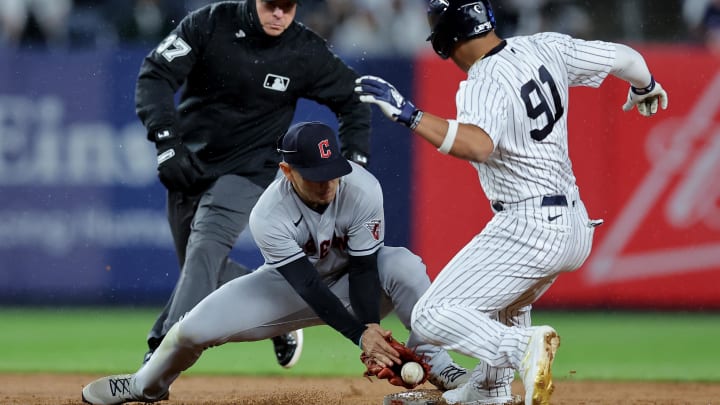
(288, 348)
(147, 355)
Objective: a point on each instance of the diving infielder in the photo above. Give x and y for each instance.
(321, 229)
(512, 126)
(237, 70)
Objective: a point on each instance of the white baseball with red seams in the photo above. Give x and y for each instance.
(412, 372)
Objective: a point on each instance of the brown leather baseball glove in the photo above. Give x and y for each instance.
(392, 374)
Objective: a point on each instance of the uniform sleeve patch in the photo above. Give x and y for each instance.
(374, 228)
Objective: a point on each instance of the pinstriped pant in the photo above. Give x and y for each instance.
(479, 304)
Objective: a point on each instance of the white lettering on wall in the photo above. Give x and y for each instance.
(57, 232)
(683, 179)
(695, 198)
(38, 148)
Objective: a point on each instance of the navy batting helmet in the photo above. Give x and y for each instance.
(452, 21)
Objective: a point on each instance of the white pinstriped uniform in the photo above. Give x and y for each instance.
(519, 96)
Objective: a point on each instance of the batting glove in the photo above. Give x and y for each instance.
(647, 99)
(375, 90)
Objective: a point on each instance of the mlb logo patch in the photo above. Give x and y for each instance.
(275, 82)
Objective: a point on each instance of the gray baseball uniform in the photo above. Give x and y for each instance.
(519, 96)
(285, 229)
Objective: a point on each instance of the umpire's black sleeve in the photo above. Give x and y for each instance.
(164, 70)
(306, 281)
(365, 287)
(333, 86)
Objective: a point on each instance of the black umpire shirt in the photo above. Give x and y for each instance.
(241, 89)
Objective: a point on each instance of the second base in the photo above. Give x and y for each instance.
(414, 397)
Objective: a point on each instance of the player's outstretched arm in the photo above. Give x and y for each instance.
(374, 343)
(645, 93)
(464, 141)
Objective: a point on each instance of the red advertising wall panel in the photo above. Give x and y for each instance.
(656, 182)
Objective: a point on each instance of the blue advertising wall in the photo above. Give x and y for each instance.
(82, 214)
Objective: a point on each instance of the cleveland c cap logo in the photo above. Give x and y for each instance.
(313, 150)
(324, 147)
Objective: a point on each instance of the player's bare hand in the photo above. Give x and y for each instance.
(375, 345)
(647, 99)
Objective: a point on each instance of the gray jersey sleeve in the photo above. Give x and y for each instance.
(272, 225)
(366, 229)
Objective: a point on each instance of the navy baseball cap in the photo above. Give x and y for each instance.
(312, 149)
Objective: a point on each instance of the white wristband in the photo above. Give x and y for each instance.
(449, 137)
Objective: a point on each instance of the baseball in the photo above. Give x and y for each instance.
(412, 372)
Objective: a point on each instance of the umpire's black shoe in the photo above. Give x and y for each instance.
(147, 355)
(288, 348)
(153, 344)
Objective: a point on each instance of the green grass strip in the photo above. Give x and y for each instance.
(595, 345)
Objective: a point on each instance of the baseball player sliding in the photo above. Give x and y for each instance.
(320, 229)
(511, 126)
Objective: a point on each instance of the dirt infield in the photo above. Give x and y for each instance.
(228, 390)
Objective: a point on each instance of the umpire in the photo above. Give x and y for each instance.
(243, 65)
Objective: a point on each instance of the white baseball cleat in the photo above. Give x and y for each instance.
(536, 367)
(113, 390)
(450, 377)
(470, 394)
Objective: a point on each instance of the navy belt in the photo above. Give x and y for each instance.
(554, 201)
(547, 201)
